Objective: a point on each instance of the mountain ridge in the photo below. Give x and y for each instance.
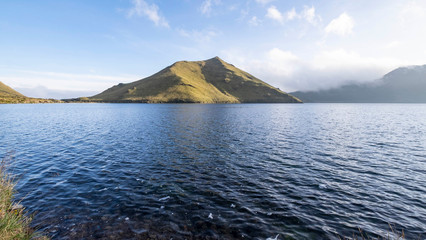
(401, 85)
(208, 81)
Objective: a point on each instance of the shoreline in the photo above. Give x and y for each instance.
(14, 219)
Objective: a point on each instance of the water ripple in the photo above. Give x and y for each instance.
(137, 171)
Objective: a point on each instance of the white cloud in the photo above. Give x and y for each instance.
(292, 14)
(206, 6)
(393, 44)
(142, 8)
(341, 25)
(309, 15)
(284, 62)
(335, 68)
(275, 14)
(254, 21)
(344, 66)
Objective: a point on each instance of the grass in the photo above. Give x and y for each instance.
(13, 100)
(14, 222)
(391, 235)
(6, 91)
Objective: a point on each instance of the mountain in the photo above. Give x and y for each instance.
(209, 81)
(8, 92)
(9, 95)
(402, 85)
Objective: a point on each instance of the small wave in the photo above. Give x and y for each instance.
(164, 198)
(275, 238)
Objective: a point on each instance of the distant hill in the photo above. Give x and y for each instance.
(210, 81)
(9, 95)
(402, 85)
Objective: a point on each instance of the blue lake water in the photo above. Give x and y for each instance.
(237, 171)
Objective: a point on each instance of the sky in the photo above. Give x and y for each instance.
(73, 48)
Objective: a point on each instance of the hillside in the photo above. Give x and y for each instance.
(210, 81)
(9, 95)
(7, 92)
(402, 85)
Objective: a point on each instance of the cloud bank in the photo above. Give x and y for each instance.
(327, 69)
(44, 92)
(61, 85)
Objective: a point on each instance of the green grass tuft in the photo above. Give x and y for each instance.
(393, 234)
(14, 222)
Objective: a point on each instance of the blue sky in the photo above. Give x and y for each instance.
(74, 48)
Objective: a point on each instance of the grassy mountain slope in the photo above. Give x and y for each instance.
(210, 81)
(6, 91)
(8, 95)
(402, 85)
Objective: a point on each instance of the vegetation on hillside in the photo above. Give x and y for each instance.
(210, 81)
(8, 92)
(12, 100)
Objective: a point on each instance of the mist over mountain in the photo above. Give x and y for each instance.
(209, 81)
(42, 92)
(402, 85)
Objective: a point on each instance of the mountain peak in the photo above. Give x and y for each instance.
(215, 59)
(208, 81)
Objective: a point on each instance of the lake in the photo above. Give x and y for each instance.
(231, 171)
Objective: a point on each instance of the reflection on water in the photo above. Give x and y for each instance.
(247, 171)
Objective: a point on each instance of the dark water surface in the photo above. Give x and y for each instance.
(137, 171)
